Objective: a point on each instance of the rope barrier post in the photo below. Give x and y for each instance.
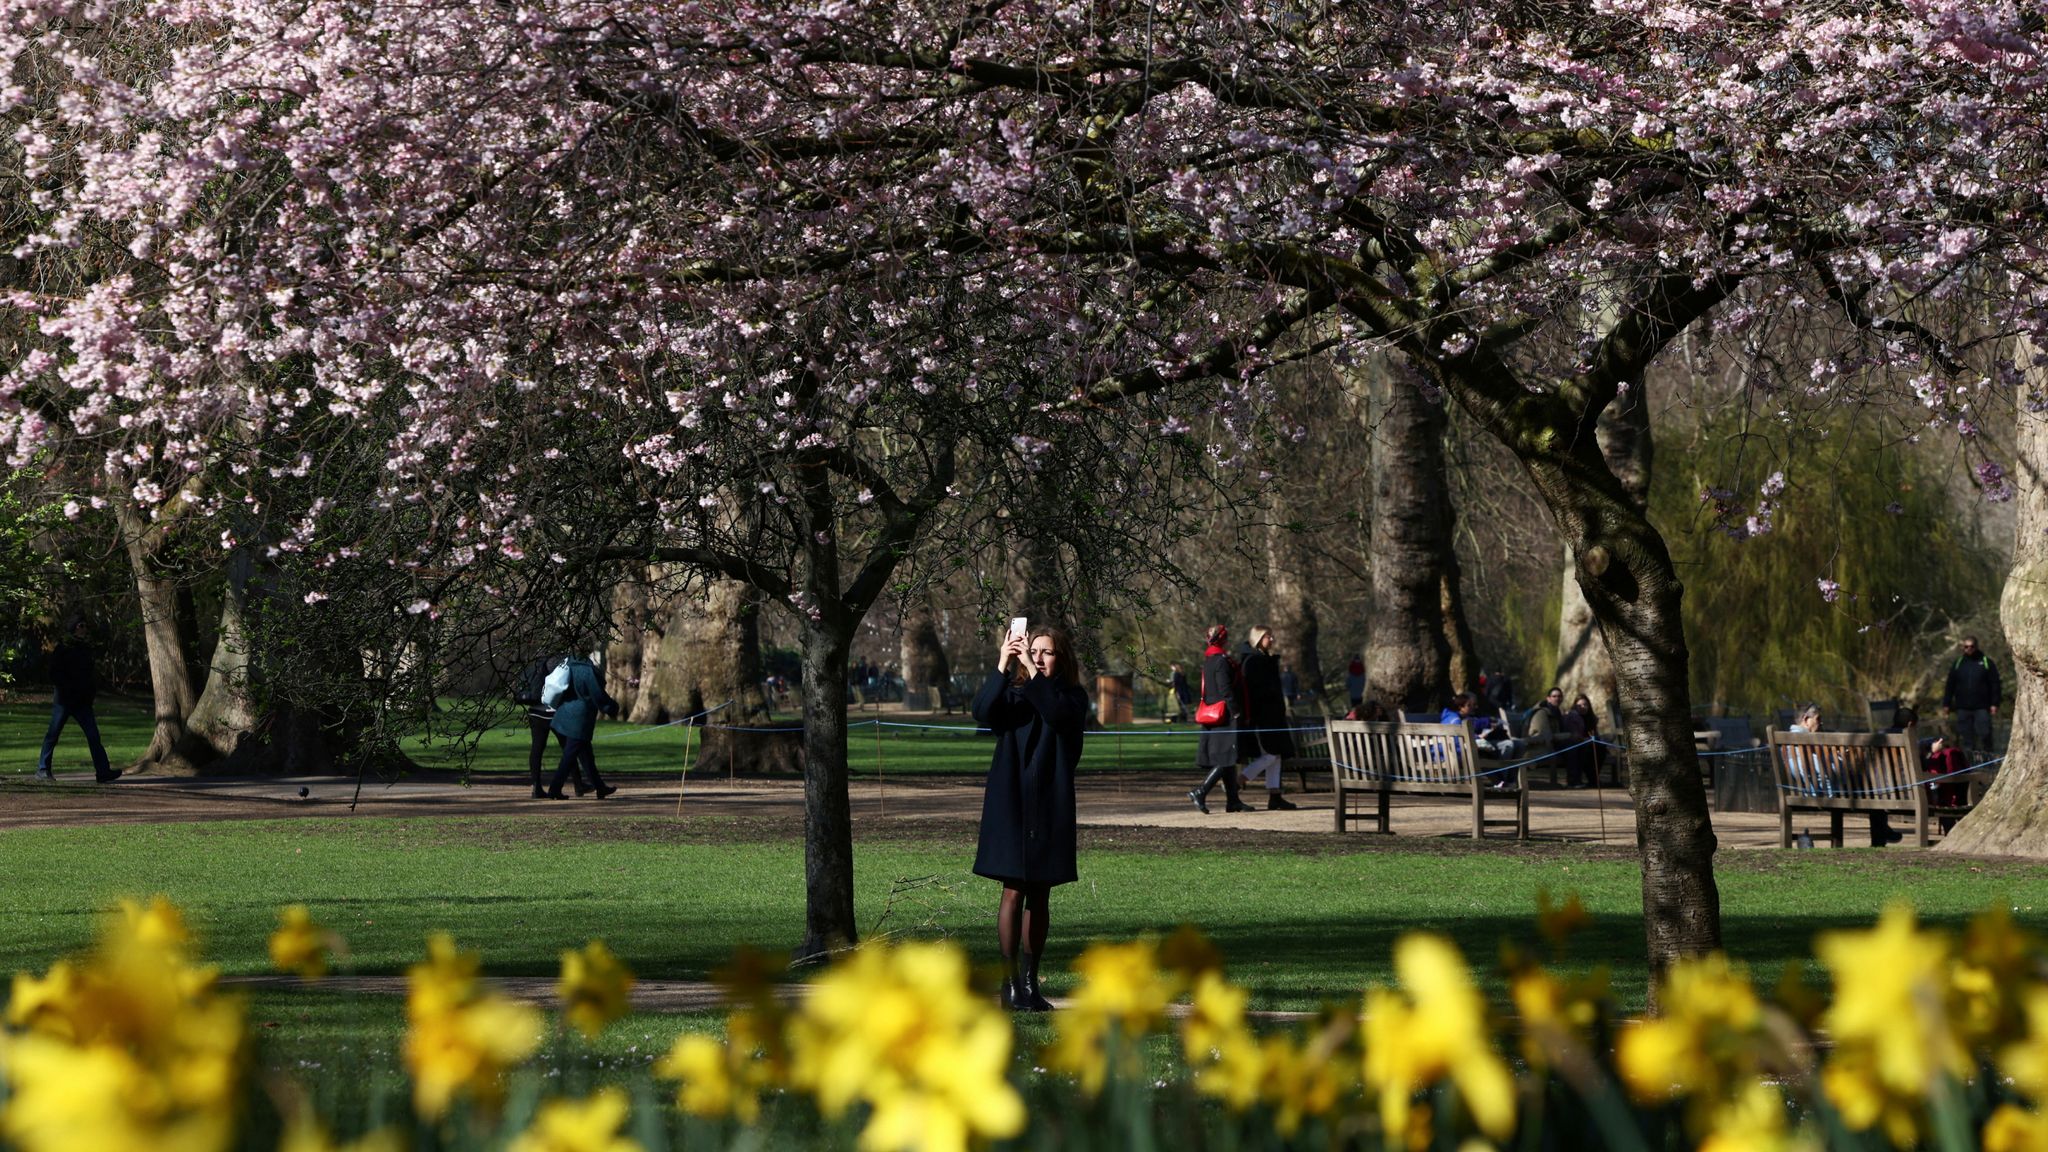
(683, 777)
(1599, 795)
(1119, 763)
(881, 790)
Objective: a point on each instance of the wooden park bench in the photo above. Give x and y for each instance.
(1842, 772)
(1381, 758)
(1311, 754)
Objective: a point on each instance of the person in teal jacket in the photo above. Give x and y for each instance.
(575, 722)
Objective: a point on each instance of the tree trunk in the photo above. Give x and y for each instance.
(704, 648)
(1464, 660)
(234, 730)
(1632, 589)
(630, 654)
(1408, 656)
(2012, 819)
(1626, 575)
(923, 657)
(168, 642)
(1291, 613)
(1583, 664)
(828, 815)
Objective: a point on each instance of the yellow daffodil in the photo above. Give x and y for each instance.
(299, 945)
(1189, 954)
(1889, 1022)
(589, 1125)
(709, 1084)
(2026, 1061)
(1222, 1053)
(2014, 1129)
(128, 1049)
(1302, 1080)
(594, 987)
(1437, 1030)
(1559, 922)
(306, 1134)
(460, 1038)
(902, 1030)
(1995, 962)
(1556, 1013)
(1122, 996)
(1704, 1043)
(1124, 984)
(1752, 1119)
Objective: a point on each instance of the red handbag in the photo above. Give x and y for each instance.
(1210, 715)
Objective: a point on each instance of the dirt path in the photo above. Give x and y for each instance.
(1135, 810)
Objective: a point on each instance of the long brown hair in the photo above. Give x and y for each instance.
(1064, 667)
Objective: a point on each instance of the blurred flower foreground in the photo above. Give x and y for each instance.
(1925, 1040)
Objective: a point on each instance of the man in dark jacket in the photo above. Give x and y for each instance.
(1972, 696)
(72, 678)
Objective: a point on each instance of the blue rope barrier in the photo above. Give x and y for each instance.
(658, 727)
(1893, 790)
(1371, 776)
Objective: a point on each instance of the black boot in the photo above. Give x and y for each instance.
(1201, 795)
(1233, 804)
(1275, 802)
(1011, 995)
(1029, 998)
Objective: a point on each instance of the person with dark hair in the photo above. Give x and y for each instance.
(1181, 692)
(1971, 695)
(1266, 704)
(540, 716)
(1581, 729)
(74, 688)
(1227, 742)
(1034, 704)
(576, 723)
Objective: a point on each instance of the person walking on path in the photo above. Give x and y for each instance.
(1034, 703)
(1266, 703)
(1227, 742)
(576, 722)
(1183, 693)
(71, 677)
(1971, 696)
(540, 717)
(1544, 727)
(1354, 681)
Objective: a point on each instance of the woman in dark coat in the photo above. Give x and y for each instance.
(576, 722)
(1035, 705)
(1228, 743)
(1266, 704)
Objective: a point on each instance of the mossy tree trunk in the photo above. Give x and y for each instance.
(2012, 819)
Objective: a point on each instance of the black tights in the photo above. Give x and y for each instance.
(1021, 917)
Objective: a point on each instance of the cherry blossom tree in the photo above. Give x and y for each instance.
(817, 278)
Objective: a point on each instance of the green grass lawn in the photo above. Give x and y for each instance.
(1306, 923)
(945, 744)
(1300, 924)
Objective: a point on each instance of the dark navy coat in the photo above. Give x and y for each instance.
(576, 714)
(1027, 809)
(1231, 742)
(1267, 703)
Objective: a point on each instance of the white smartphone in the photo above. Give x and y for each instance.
(1019, 625)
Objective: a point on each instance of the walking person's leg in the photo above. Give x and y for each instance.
(101, 770)
(1275, 802)
(537, 731)
(565, 768)
(1037, 923)
(588, 760)
(57, 715)
(1009, 931)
